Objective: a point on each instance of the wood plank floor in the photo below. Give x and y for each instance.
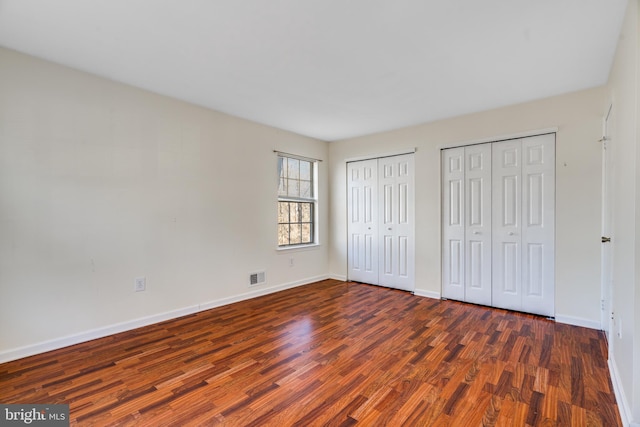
(330, 353)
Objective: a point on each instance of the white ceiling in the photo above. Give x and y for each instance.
(329, 69)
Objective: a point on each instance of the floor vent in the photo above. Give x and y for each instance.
(256, 278)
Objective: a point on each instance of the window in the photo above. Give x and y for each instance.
(296, 201)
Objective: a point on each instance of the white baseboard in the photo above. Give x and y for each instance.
(578, 321)
(338, 277)
(427, 294)
(54, 344)
(49, 345)
(621, 399)
(259, 292)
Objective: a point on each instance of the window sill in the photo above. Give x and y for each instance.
(310, 246)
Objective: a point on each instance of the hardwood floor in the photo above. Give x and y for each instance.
(330, 353)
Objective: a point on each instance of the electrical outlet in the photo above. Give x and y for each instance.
(140, 284)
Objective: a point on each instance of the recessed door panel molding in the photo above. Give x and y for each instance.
(499, 224)
(510, 260)
(453, 268)
(509, 205)
(535, 280)
(403, 203)
(355, 248)
(368, 204)
(535, 212)
(403, 257)
(355, 208)
(455, 202)
(386, 221)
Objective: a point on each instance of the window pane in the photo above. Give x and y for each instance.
(282, 187)
(305, 189)
(306, 212)
(293, 170)
(295, 212)
(305, 170)
(293, 188)
(283, 212)
(283, 234)
(295, 234)
(306, 233)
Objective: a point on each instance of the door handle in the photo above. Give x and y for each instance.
(511, 233)
(476, 232)
(606, 239)
(389, 228)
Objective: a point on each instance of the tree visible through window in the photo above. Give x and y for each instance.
(296, 201)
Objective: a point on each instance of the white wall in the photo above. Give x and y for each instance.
(101, 183)
(623, 91)
(578, 119)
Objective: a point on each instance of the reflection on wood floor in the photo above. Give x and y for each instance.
(330, 353)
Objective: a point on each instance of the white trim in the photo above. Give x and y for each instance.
(427, 294)
(523, 134)
(381, 155)
(338, 277)
(30, 350)
(259, 292)
(578, 321)
(55, 344)
(621, 399)
(301, 247)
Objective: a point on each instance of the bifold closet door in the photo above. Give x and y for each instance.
(498, 230)
(467, 224)
(524, 224)
(380, 212)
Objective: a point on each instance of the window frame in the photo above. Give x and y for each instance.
(312, 200)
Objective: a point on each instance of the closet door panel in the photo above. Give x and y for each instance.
(538, 228)
(478, 224)
(507, 227)
(362, 214)
(453, 218)
(396, 227)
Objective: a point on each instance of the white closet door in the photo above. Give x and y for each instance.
(453, 234)
(538, 224)
(523, 224)
(362, 212)
(478, 224)
(507, 227)
(498, 228)
(396, 223)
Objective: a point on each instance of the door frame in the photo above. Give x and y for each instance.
(606, 250)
